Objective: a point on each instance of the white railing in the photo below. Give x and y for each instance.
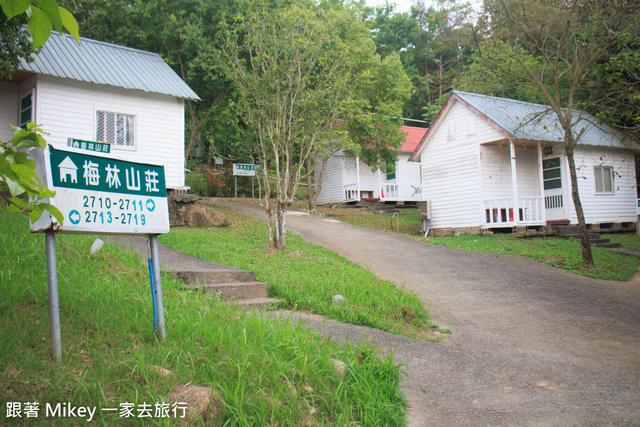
(390, 192)
(500, 211)
(351, 193)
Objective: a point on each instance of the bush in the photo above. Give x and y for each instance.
(207, 182)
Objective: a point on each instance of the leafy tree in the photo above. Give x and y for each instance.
(433, 45)
(14, 44)
(184, 33)
(291, 71)
(369, 125)
(554, 48)
(17, 170)
(617, 80)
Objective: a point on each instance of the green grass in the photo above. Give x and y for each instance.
(561, 253)
(267, 373)
(629, 240)
(407, 221)
(307, 276)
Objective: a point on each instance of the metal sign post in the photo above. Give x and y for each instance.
(243, 169)
(155, 260)
(54, 310)
(99, 194)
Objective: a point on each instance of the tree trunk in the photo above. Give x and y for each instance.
(582, 226)
(314, 197)
(310, 203)
(276, 223)
(440, 78)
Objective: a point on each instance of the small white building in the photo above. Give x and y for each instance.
(490, 162)
(102, 92)
(349, 179)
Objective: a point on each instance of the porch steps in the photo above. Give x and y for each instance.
(594, 239)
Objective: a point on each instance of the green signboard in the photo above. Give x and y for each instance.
(99, 194)
(98, 147)
(244, 169)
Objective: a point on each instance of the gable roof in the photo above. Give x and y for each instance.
(107, 64)
(532, 122)
(414, 136)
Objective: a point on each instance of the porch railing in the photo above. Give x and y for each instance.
(351, 193)
(500, 211)
(390, 192)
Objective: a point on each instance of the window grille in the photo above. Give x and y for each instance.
(551, 173)
(26, 110)
(116, 128)
(604, 179)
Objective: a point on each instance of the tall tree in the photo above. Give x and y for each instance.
(290, 70)
(617, 82)
(370, 123)
(433, 45)
(184, 32)
(553, 47)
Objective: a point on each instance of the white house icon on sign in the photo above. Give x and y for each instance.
(68, 168)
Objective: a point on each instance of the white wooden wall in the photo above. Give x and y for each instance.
(451, 175)
(602, 208)
(496, 172)
(369, 179)
(68, 109)
(332, 190)
(408, 174)
(9, 108)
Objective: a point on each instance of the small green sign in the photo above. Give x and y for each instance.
(244, 169)
(86, 172)
(98, 147)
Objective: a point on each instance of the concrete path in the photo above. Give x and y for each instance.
(531, 344)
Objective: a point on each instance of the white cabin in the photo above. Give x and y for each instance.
(490, 162)
(102, 92)
(349, 179)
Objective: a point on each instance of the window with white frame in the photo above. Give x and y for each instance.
(117, 128)
(26, 109)
(604, 179)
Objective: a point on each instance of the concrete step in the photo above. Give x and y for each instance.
(257, 303)
(197, 277)
(576, 236)
(235, 290)
(608, 245)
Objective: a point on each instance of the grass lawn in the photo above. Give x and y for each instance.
(629, 240)
(267, 373)
(561, 253)
(307, 276)
(407, 219)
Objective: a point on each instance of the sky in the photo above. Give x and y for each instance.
(405, 5)
(401, 5)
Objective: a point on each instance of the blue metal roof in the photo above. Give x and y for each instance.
(107, 64)
(535, 122)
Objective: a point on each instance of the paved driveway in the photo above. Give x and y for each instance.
(531, 344)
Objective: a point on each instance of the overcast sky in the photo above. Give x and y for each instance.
(401, 5)
(405, 5)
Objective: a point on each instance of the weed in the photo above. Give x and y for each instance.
(307, 276)
(260, 367)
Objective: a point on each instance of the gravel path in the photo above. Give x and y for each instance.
(531, 344)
